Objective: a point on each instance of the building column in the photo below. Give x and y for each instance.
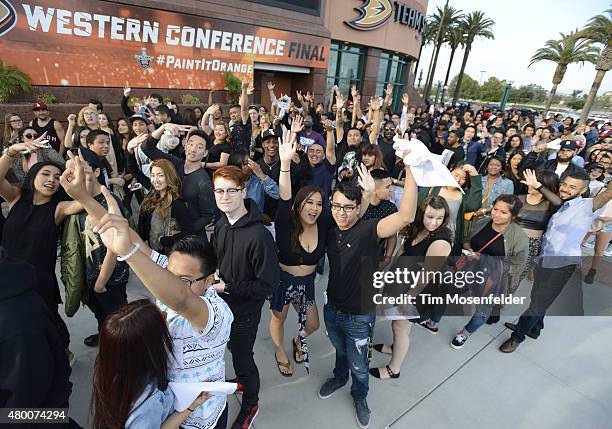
(370, 72)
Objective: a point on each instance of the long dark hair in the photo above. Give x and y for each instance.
(27, 187)
(296, 223)
(134, 348)
(435, 202)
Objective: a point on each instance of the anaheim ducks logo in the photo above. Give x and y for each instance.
(8, 17)
(374, 14)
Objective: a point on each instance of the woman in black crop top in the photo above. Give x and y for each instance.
(534, 215)
(301, 235)
(427, 240)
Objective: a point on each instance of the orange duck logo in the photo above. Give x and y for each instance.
(373, 14)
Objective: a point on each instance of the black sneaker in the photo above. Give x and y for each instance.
(362, 413)
(432, 329)
(246, 417)
(92, 340)
(590, 277)
(458, 341)
(329, 388)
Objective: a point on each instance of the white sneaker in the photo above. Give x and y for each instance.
(590, 243)
(608, 251)
(458, 341)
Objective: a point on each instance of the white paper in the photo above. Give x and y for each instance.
(427, 168)
(186, 393)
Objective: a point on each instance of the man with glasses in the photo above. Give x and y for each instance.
(197, 188)
(349, 311)
(45, 123)
(249, 268)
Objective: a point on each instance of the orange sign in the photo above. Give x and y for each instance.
(98, 43)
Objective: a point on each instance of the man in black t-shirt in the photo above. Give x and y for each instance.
(381, 207)
(349, 312)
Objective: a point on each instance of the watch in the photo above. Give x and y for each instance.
(6, 152)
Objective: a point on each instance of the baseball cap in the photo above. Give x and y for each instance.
(349, 102)
(607, 133)
(39, 106)
(567, 144)
(268, 133)
(593, 166)
(138, 117)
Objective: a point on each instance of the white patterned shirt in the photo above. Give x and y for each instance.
(199, 356)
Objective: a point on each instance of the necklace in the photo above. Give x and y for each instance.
(271, 166)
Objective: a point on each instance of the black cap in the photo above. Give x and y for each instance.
(594, 165)
(568, 144)
(138, 117)
(268, 133)
(91, 158)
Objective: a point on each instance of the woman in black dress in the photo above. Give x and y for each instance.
(31, 229)
(428, 242)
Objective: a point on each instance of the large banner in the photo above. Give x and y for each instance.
(99, 43)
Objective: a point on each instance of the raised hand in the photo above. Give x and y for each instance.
(405, 99)
(389, 90)
(299, 96)
(176, 129)
(328, 124)
(270, 86)
(405, 156)
(136, 141)
(297, 125)
(113, 227)
(72, 119)
(309, 97)
(375, 103)
(339, 100)
(245, 83)
(354, 91)
(531, 179)
(73, 177)
(287, 149)
(365, 180)
(250, 90)
(126, 91)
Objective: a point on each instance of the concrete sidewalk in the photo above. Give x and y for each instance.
(562, 380)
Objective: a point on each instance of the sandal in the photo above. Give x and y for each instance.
(375, 372)
(379, 348)
(296, 353)
(286, 365)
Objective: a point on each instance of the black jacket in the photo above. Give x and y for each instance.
(551, 165)
(34, 369)
(248, 262)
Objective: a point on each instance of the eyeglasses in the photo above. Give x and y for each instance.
(230, 191)
(16, 121)
(30, 136)
(190, 282)
(90, 114)
(345, 209)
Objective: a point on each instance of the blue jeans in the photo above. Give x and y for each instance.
(350, 335)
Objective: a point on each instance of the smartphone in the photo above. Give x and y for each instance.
(45, 143)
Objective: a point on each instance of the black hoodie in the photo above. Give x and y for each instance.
(34, 369)
(248, 262)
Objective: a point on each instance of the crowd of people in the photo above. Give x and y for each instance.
(216, 217)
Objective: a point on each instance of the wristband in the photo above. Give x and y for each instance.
(285, 171)
(130, 254)
(190, 409)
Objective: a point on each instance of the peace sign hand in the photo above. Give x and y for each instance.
(73, 177)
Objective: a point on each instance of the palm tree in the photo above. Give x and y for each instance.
(428, 36)
(598, 30)
(474, 25)
(440, 20)
(12, 81)
(454, 38)
(565, 51)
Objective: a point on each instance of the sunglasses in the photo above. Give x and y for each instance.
(30, 136)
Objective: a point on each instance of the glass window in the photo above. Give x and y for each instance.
(345, 66)
(391, 70)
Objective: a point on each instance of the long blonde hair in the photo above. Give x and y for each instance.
(8, 129)
(163, 203)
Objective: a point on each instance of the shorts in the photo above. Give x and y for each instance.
(292, 290)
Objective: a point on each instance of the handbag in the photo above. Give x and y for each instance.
(463, 260)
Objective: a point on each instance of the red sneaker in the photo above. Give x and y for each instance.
(246, 417)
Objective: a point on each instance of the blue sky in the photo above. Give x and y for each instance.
(521, 27)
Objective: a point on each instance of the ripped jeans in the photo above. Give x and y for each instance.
(350, 336)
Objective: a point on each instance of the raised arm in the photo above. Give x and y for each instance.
(124, 102)
(356, 102)
(391, 224)
(205, 121)
(61, 135)
(554, 199)
(68, 135)
(339, 123)
(244, 101)
(330, 144)
(375, 109)
(286, 152)
(404, 116)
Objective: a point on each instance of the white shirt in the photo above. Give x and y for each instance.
(199, 356)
